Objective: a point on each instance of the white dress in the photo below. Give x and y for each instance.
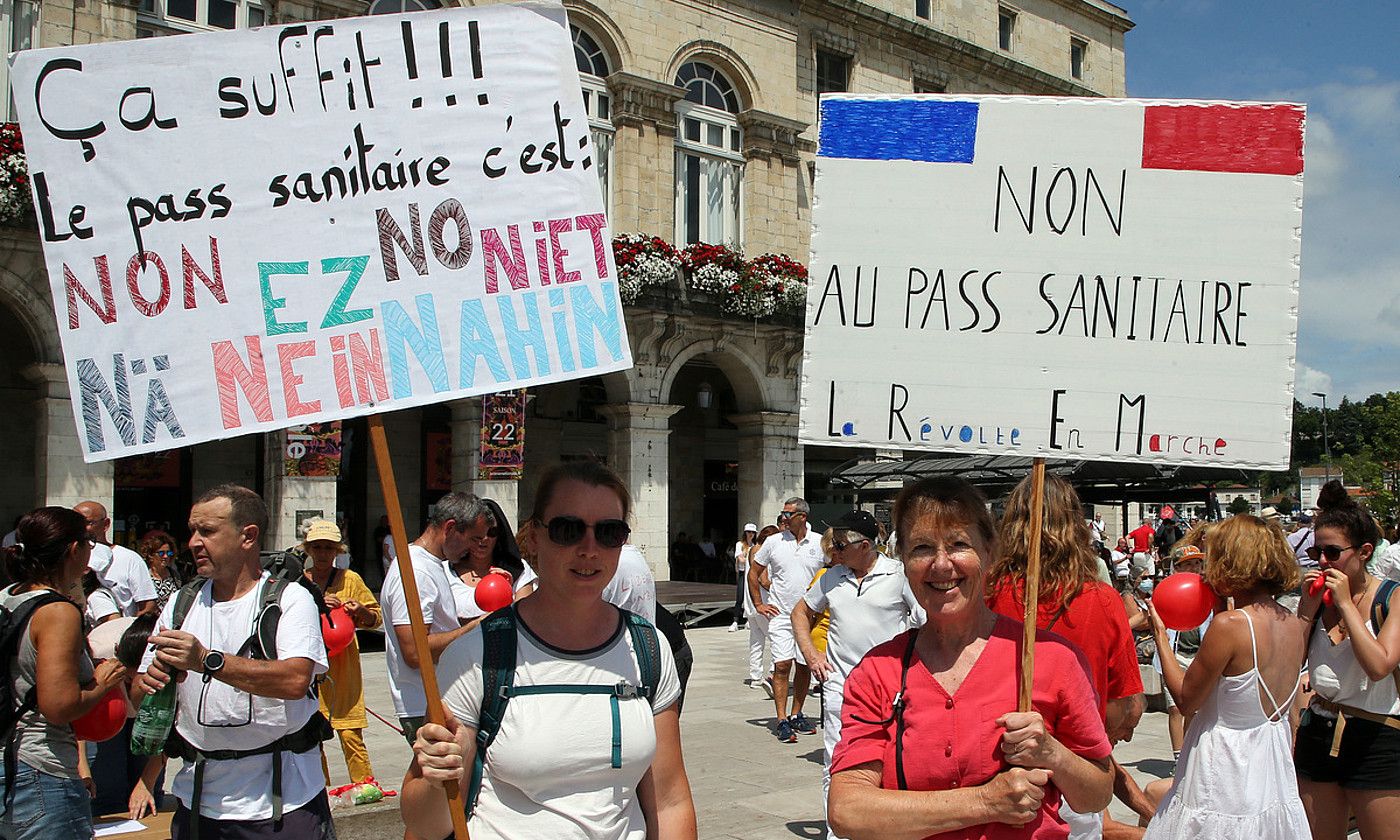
(1235, 778)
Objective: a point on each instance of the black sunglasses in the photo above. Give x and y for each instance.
(569, 530)
(788, 514)
(1333, 553)
(840, 546)
(491, 534)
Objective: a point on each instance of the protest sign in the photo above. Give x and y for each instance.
(251, 230)
(1071, 278)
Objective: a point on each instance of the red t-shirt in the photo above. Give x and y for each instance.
(1095, 622)
(952, 742)
(1142, 537)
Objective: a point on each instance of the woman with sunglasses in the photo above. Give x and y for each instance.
(45, 798)
(491, 548)
(553, 770)
(1347, 750)
(930, 739)
(158, 550)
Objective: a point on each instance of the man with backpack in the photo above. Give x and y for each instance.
(247, 645)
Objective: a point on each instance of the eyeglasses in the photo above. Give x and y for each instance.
(569, 530)
(788, 514)
(165, 554)
(840, 546)
(491, 534)
(1333, 553)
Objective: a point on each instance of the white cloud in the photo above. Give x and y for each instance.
(1308, 381)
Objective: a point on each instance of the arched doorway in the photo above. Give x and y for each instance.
(704, 472)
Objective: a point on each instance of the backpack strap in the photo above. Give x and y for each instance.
(184, 600)
(647, 649)
(498, 639)
(1380, 610)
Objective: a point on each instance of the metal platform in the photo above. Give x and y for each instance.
(692, 603)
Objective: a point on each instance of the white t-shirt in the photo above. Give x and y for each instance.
(464, 597)
(741, 557)
(124, 572)
(633, 588)
(439, 612)
(214, 715)
(100, 604)
(391, 554)
(549, 772)
(792, 563)
(864, 613)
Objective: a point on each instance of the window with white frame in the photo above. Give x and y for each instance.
(1006, 28)
(19, 23)
(169, 17)
(593, 68)
(709, 158)
(1078, 49)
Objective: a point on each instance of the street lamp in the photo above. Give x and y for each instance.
(1326, 446)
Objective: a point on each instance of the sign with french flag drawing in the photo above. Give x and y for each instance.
(1091, 279)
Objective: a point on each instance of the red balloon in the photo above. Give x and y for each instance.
(1319, 584)
(337, 630)
(105, 719)
(494, 592)
(1183, 600)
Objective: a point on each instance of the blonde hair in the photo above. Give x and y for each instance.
(1245, 552)
(1066, 546)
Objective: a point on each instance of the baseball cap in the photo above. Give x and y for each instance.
(322, 530)
(749, 526)
(860, 521)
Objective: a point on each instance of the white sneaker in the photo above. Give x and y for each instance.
(733, 627)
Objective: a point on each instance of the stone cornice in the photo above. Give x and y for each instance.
(931, 43)
(638, 100)
(767, 134)
(1100, 12)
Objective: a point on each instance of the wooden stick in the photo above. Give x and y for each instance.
(1032, 589)
(380, 444)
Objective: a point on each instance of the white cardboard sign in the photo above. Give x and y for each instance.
(250, 230)
(1073, 278)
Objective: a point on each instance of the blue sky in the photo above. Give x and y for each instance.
(1341, 58)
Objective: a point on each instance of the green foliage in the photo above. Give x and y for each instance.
(1238, 505)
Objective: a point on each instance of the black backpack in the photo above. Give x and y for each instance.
(13, 625)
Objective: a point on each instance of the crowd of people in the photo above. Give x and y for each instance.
(561, 710)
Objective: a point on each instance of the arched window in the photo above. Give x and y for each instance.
(709, 159)
(593, 68)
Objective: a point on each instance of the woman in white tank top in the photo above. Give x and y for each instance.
(1348, 744)
(1235, 778)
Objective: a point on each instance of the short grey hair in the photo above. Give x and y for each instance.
(799, 503)
(463, 508)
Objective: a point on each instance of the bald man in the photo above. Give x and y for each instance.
(118, 568)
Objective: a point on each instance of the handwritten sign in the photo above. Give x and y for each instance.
(1072, 278)
(251, 230)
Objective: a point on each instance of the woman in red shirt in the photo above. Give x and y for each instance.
(930, 746)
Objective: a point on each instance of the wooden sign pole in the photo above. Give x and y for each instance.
(380, 444)
(1032, 588)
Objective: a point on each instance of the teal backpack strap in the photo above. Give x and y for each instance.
(497, 676)
(647, 649)
(1380, 607)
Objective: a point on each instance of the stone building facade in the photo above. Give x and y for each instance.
(704, 119)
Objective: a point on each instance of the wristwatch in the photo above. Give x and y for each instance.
(213, 663)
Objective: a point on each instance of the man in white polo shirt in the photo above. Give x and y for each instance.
(445, 539)
(869, 601)
(118, 568)
(792, 558)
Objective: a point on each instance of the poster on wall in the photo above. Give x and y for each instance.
(250, 230)
(1087, 279)
(502, 436)
(313, 450)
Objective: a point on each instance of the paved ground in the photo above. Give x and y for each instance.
(746, 784)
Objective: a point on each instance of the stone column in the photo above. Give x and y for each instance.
(287, 494)
(466, 458)
(638, 449)
(60, 475)
(771, 464)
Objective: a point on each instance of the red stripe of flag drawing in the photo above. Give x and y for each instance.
(1259, 139)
